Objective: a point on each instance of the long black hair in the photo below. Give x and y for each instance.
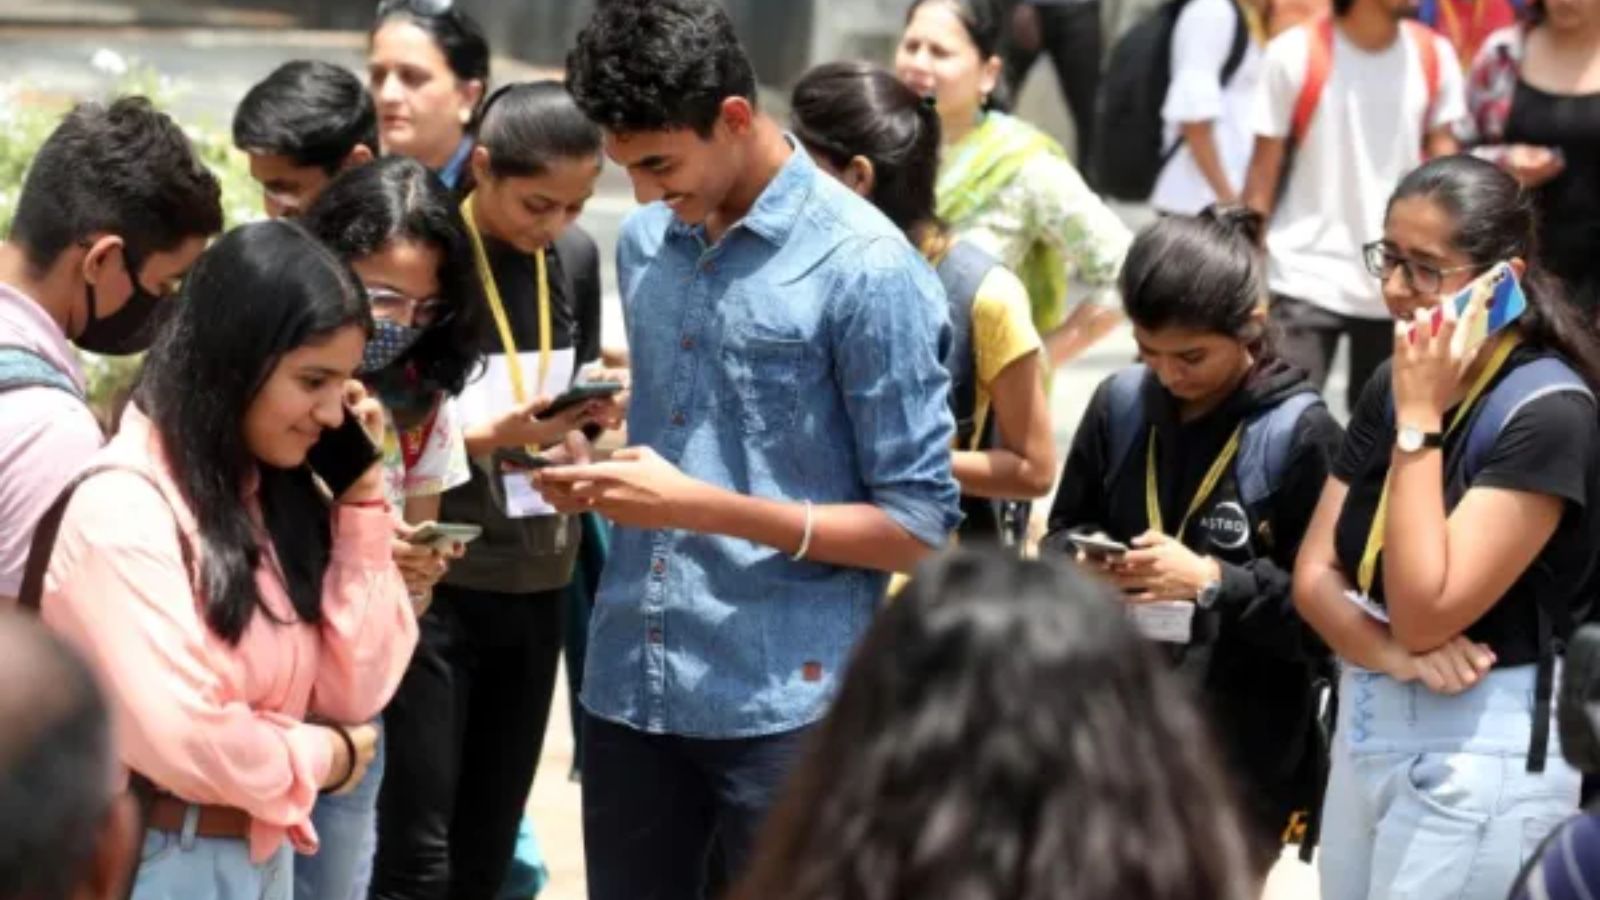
(458, 36)
(1495, 220)
(528, 125)
(260, 292)
(394, 199)
(985, 24)
(1203, 273)
(847, 109)
(1008, 736)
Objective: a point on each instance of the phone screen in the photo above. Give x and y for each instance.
(342, 455)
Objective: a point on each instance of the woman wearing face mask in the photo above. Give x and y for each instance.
(228, 603)
(1450, 554)
(467, 727)
(400, 231)
(428, 68)
(1005, 185)
(878, 137)
(1534, 95)
(1205, 460)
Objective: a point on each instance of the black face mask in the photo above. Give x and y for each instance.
(131, 329)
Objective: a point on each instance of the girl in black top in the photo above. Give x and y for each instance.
(1211, 408)
(1449, 554)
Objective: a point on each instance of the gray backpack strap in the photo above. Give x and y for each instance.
(962, 272)
(1264, 447)
(1525, 384)
(1125, 409)
(22, 368)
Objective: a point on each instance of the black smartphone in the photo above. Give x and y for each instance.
(518, 458)
(342, 455)
(578, 394)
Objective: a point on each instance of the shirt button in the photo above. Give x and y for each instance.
(687, 343)
(659, 567)
(708, 267)
(679, 419)
(655, 636)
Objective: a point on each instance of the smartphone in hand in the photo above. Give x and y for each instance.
(443, 536)
(1098, 547)
(580, 393)
(343, 454)
(1502, 302)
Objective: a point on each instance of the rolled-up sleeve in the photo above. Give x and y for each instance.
(368, 627)
(890, 331)
(118, 589)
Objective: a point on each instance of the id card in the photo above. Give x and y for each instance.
(1367, 605)
(1169, 622)
(523, 500)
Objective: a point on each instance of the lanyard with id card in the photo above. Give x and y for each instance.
(521, 498)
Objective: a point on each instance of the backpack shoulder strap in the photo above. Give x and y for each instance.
(1428, 52)
(22, 368)
(1265, 445)
(1525, 384)
(1319, 66)
(31, 595)
(1241, 45)
(1125, 406)
(962, 272)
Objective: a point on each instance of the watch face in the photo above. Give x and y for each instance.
(1410, 439)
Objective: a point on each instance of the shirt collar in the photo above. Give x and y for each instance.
(775, 212)
(450, 173)
(28, 322)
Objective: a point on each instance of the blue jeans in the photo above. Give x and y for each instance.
(1430, 797)
(347, 826)
(186, 867)
(675, 818)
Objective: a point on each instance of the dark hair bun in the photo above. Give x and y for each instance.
(1240, 221)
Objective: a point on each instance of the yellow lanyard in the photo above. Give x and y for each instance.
(1255, 23)
(491, 291)
(1369, 556)
(1152, 502)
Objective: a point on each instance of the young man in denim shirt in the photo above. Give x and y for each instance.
(792, 447)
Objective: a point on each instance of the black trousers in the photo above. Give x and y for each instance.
(675, 818)
(1070, 34)
(1309, 335)
(464, 734)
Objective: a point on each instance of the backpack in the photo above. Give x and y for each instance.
(1264, 444)
(1319, 66)
(962, 272)
(1130, 136)
(22, 368)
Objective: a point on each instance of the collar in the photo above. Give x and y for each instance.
(450, 172)
(775, 212)
(23, 322)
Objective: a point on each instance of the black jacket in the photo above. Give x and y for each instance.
(1254, 659)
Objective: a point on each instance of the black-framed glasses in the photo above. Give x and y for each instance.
(415, 7)
(1421, 277)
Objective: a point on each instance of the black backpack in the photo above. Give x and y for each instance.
(1129, 153)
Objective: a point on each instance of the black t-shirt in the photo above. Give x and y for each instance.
(1551, 446)
(1569, 204)
(573, 265)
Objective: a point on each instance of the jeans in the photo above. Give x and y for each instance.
(463, 737)
(674, 818)
(186, 867)
(1071, 34)
(347, 826)
(1430, 797)
(1309, 336)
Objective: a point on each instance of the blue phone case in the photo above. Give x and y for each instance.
(1506, 304)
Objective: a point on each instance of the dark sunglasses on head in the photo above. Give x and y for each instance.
(415, 7)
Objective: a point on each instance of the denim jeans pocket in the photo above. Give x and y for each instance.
(1455, 786)
(158, 845)
(764, 376)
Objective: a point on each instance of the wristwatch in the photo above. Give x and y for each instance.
(1414, 440)
(1208, 595)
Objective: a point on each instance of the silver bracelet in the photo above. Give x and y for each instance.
(805, 542)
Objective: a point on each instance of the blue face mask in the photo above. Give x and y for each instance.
(388, 343)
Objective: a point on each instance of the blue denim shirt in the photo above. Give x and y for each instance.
(797, 359)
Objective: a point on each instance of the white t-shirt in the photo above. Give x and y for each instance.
(1367, 134)
(440, 465)
(1201, 41)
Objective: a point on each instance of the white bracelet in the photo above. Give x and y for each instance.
(805, 542)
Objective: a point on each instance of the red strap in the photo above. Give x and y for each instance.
(1428, 52)
(414, 441)
(1319, 64)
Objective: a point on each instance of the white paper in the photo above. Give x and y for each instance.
(490, 396)
(1367, 605)
(1169, 622)
(523, 500)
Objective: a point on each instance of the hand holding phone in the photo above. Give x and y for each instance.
(578, 394)
(1098, 547)
(342, 456)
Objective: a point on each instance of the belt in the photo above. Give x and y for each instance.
(169, 814)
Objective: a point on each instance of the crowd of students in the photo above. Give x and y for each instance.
(840, 333)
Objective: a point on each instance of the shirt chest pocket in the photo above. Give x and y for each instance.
(763, 376)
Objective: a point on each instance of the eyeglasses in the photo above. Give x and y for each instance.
(393, 305)
(415, 7)
(1421, 277)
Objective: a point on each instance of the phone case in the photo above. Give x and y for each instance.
(1502, 293)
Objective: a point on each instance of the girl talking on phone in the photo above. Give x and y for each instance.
(1453, 549)
(1204, 462)
(230, 604)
